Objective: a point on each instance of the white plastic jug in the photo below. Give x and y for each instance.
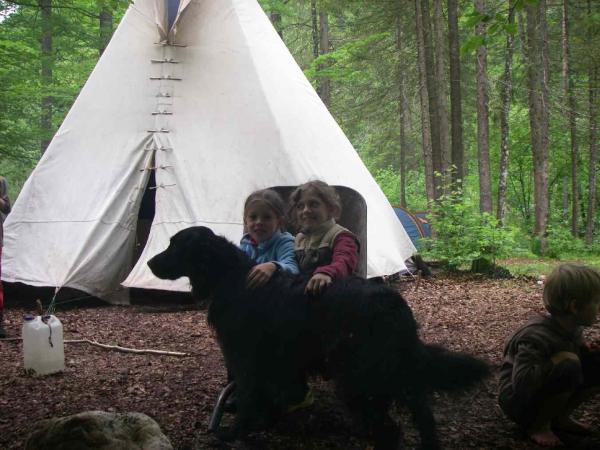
(43, 346)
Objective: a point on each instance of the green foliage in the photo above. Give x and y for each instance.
(75, 37)
(339, 64)
(535, 266)
(372, 56)
(389, 182)
(560, 242)
(463, 235)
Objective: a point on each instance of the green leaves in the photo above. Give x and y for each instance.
(463, 234)
(343, 63)
(75, 31)
(471, 44)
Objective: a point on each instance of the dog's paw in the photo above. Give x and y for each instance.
(226, 434)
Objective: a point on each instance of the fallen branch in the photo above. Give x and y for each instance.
(124, 349)
(112, 347)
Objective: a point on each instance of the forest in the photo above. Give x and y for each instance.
(482, 113)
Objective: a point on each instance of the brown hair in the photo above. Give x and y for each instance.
(570, 282)
(326, 193)
(270, 198)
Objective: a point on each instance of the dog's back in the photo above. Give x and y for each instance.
(360, 334)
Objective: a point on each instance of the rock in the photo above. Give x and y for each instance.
(98, 430)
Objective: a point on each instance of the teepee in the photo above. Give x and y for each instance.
(204, 94)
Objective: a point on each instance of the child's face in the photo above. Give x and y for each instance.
(261, 221)
(587, 314)
(311, 211)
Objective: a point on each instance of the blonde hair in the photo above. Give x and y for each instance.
(270, 198)
(571, 283)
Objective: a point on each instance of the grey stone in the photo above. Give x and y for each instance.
(98, 430)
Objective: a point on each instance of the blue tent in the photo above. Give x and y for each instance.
(415, 224)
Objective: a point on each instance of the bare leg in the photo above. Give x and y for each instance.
(540, 430)
(566, 423)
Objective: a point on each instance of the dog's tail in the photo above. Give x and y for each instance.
(447, 370)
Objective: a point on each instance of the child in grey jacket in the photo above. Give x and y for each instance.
(548, 369)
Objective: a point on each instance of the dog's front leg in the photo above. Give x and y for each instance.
(418, 403)
(373, 414)
(251, 411)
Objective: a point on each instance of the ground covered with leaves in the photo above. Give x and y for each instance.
(461, 312)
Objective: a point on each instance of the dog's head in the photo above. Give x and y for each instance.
(196, 253)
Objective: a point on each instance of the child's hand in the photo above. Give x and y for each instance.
(260, 274)
(561, 356)
(594, 347)
(317, 284)
(591, 347)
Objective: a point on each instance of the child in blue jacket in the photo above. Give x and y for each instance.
(265, 241)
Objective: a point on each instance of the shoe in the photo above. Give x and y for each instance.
(309, 399)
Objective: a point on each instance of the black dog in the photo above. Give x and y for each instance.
(360, 334)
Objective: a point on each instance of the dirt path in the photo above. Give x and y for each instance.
(469, 314)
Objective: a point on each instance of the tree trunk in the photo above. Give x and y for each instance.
(593, 161)
(504, 120)
(455, 95)
(440, 75)
(483, 151)
(433, 97)
(46, 80)
(425, 121)
(570, 100)
(538, 112)
(565, 197)
(276, 21)
(324, 44)
(404, 110)
(106, 27)
(315, 28)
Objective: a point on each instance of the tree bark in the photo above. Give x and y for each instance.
(455, 96)
(404, 111)
(106, 27)
(324, 45)
(275, 18)
(565, 197)
(46, 79)
(538, 76)
(483, 151)
(440, 75)
(424, 95)
(315, 28)
(570, 100)
(593, 134)
(433, 97)
(504, 120)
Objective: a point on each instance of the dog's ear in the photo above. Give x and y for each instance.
(195, 245)
(198, 255)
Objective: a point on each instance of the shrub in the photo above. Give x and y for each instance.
(464, 235)
(560, 242)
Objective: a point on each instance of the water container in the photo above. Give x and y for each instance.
(43, 346)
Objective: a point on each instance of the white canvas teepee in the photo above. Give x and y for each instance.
(217, 107)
